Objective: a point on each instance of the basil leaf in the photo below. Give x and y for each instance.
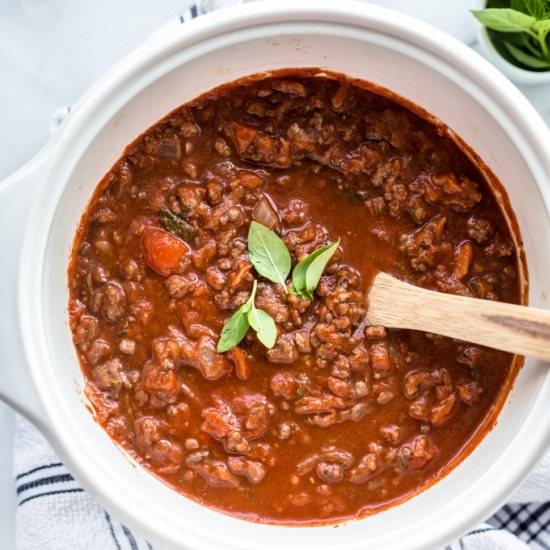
(517, 5)
(536, 8)
(268, 253)
(264, 325)
(235, 329)
(299, 273)
(317, 266)
(526, 59)
(532, 7)
(307, 273)
(176, 225)
(505, 20)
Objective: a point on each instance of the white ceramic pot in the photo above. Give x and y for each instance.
(514, 73)
(39, 372)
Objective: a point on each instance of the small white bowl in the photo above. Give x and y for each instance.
(514, 73)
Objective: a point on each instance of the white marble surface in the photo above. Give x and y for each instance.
(50, 53)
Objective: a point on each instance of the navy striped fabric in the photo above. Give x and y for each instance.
(53, 480)
(513, 526)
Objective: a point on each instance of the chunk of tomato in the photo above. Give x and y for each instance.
(163, 251)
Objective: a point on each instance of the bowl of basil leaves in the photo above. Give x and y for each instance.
(515, 36)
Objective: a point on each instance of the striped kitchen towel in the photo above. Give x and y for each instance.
(55, 513)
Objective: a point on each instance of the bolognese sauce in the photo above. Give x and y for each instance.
(337, 418)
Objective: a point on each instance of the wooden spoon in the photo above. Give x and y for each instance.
(508, 327)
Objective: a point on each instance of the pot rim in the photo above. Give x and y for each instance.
(495, 88)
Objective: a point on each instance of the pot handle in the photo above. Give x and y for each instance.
(16, 385)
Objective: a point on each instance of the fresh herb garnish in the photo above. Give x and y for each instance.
(177, 225)
(525, 58)
(268, 253)
(271, 258)
(264, 325)
(235, 329)
(505, 19)
(520, 30)
(307, 273)
(248, 315)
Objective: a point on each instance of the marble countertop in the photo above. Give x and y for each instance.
(51, 51)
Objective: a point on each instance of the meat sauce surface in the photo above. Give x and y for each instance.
(339, 419)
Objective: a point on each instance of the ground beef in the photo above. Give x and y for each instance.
(339, 416)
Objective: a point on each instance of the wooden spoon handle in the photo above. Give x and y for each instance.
(517, 329)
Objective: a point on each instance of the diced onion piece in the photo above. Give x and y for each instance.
(265, 213)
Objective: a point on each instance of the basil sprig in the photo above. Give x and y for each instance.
(268, 253)
(271, 258)
(520, 30)
(247, 316)
(307, 273)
